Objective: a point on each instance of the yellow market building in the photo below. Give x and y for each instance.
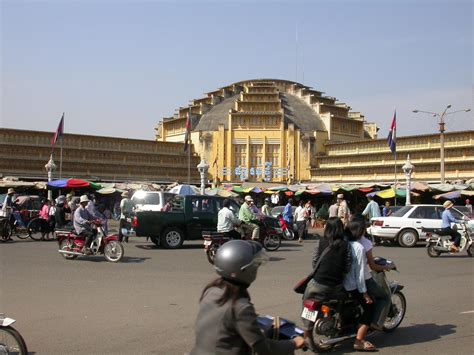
(282, 131)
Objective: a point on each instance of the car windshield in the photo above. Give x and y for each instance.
(401, 212)
(147, 199)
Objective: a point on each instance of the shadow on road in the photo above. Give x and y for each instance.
(412, 334)
(101, 259)
(276, 258)
(155, 247)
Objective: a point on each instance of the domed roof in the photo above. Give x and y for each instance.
(295, 109)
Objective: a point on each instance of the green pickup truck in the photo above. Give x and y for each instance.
(188, 218)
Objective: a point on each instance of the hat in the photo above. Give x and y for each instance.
(340, 196)
(448, 204)
(84, 198)
(61, 199)
(125, 194)
(10, 191)
(248, 198)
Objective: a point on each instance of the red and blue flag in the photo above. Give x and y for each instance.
(59, 132)
(392, 135)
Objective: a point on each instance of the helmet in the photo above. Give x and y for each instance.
(61, 199)
(267, 200)
(238, 261)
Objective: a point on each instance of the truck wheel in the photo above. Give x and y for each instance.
(172, 238)
(408, 238)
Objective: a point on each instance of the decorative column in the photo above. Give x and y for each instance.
(407, 169)
(50, 168)
(203, 168)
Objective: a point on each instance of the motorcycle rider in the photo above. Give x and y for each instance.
(82, 223)
(226, 221)
(327, 281)
(248, 217)
(448, 218)
(60, 214)
(9, 205)
(227, 322)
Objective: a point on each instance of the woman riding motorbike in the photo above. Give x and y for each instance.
(227, 322)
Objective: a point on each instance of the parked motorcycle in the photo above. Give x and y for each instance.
(11, 341)
(334, 321)
(71, 244)
(438, 242)
(127, 229)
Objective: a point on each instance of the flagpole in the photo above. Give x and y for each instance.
(61, 154)
(396, 181)
(189, 164)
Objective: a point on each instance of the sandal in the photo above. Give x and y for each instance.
(364, 346)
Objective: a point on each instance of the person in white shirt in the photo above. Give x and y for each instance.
(354, 282)
(301, 214)
(226, 221)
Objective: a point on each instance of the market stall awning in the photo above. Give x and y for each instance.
(73, 184)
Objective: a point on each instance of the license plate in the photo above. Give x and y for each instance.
(207, 242)
(309, 315)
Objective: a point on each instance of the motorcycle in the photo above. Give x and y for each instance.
(279, 328)
(334, 321)
(212, 242)
(71, 244)
(127, 229)
(287, 232)
(11, 341)
(438, 242)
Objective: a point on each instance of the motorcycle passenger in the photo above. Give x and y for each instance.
(227, 322)
(327, 281)
(248, 217)
(448, 218)
(266, 208)
(226, 221)
(126, 211)
(354, 283)
(82, 222)
(379, 296)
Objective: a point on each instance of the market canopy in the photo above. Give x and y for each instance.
(73, 184)
(185, 190)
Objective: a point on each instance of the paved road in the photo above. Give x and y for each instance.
(148, 303)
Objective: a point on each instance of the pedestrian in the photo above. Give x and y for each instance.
(44, 212)
(266, 208)
(469, 207)
(387, 210)
(52, 217)
(301, 220)
(333, 209)
(313, 214)
(372, 209)
(343, 211)
(126, 211)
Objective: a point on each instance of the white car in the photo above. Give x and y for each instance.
(150, 200)
(404, 225)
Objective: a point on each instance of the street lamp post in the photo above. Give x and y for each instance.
(203, 168)
(441, 132)
(50, 168)
(408, 169)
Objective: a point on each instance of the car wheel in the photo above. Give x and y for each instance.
(408, 238)
(172, 238)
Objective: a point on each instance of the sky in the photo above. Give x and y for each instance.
(118, 67)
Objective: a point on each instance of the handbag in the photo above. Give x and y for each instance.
(300, 286)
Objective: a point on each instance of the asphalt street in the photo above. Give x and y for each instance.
(148, 302)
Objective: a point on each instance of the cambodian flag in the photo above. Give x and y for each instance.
(188, 132)
(392, 135)
(59, 132)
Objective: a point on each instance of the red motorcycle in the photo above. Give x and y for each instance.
(71, 244)
(288, 233)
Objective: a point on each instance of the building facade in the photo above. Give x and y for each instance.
(372, 160)
(264, 129)
(24, 154)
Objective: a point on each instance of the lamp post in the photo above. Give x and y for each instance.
(50, 168)
(203, 168)
(407, 169)
(441, 116)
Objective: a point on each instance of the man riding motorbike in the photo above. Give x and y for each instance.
(248, 217)
(227, 322)
(448, 218)
(82, 223)
(9, 206)
(226, 221)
